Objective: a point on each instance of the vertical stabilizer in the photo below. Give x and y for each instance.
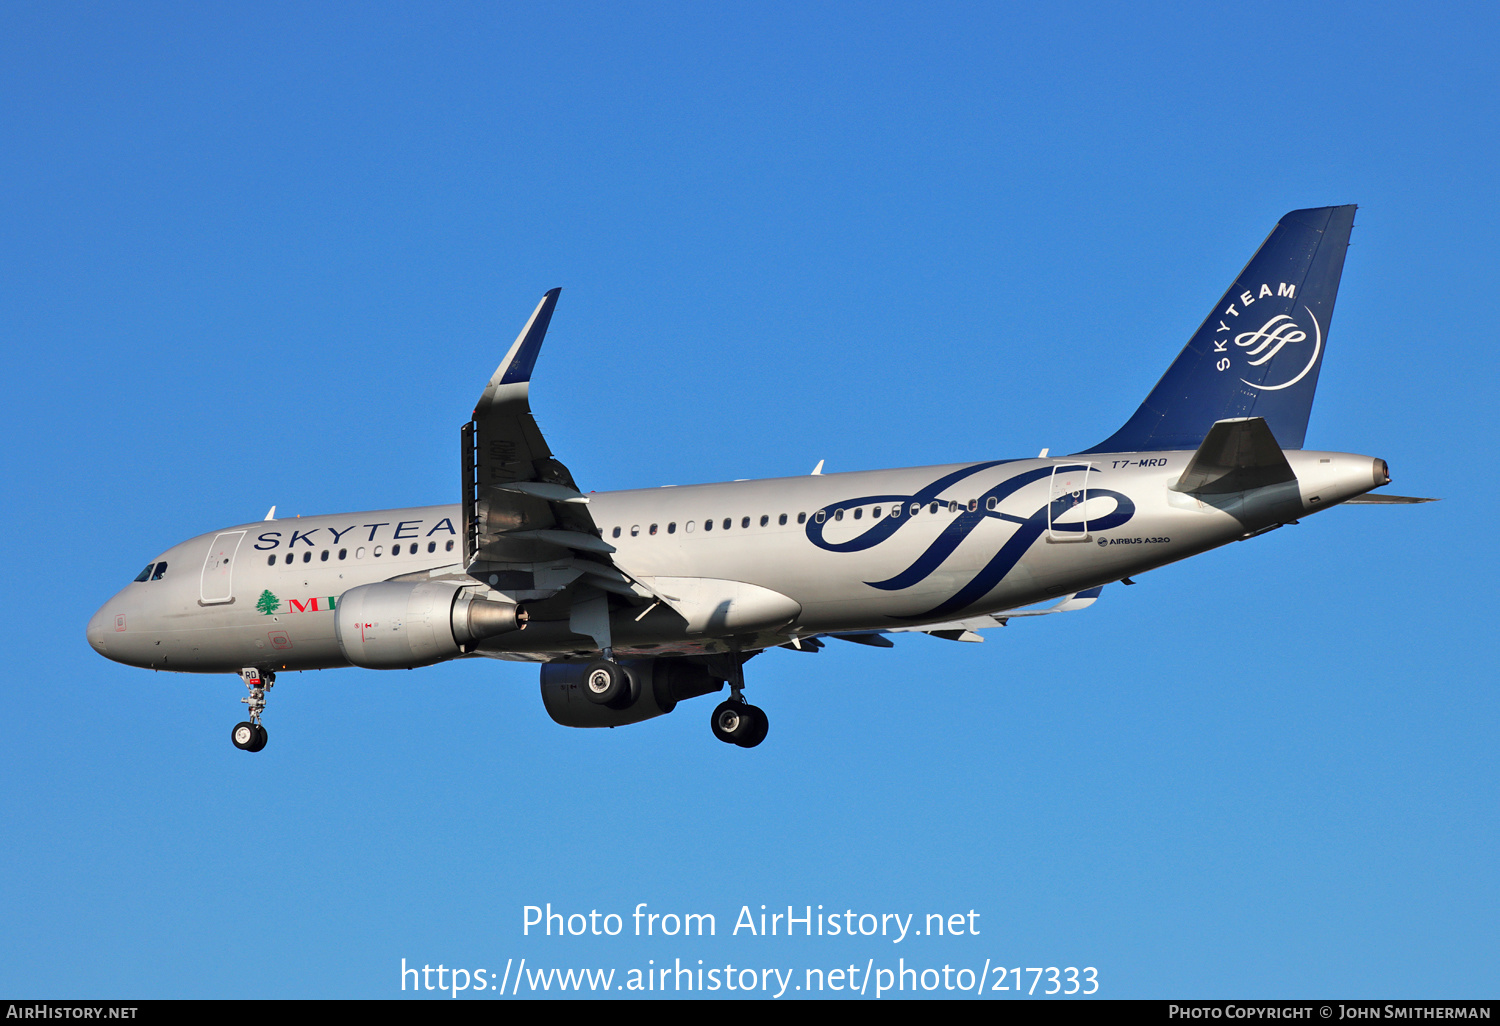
(1259, 351)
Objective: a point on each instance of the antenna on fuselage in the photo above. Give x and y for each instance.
(271, 513)
(818, 470)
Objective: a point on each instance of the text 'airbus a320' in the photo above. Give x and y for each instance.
(635, 601)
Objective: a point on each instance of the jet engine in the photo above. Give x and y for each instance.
(397, 625)
(656, 686)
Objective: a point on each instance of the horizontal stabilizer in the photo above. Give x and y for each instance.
(1372, 499)
(1237, 455)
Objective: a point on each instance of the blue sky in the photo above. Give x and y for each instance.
(269, 254)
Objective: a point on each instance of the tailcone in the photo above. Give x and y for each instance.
(1329, 478)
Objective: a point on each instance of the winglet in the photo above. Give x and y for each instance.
(1078, 600)
(516, 368)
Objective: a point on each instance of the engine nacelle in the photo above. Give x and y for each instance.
(397, 625)
(656, 686)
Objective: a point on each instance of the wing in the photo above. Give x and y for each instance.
(527, 527)
(955, 630)
(963, 630)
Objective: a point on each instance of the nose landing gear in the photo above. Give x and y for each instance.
(250, 736)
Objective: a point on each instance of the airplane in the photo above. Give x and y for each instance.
(635, 601)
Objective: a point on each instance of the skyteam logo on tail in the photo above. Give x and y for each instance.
(1259, 346)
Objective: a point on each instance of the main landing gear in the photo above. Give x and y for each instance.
(736, 721)
(606, 683)
(250, 736)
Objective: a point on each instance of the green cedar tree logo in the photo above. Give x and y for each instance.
(268, 603)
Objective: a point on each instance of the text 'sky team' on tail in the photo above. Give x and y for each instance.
(635, 601)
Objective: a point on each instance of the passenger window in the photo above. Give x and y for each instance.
(802, 518)
(745, 522)
(307, 556)
(449, 546)
(615, 533)
(145, 575)
(819, 516)
(916, 508)
(973, 505)
(896, 511)
(728, 523)
(838, 514)
(935, 506)
(324, 557)
(859, 512)
(359, 553)
(635, 530)
(952, 506)
(781, 520)
(991, 503)
(690, 526)
(875, 513)
(672, 527)
(343, 553)
(270, 561)
(708, 525)
(288, 557)
(376, 551)
(653, 528)
(432, 546)
(764, 520)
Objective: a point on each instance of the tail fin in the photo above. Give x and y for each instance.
(1259, 351)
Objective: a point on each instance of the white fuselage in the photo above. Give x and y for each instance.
(969, 539)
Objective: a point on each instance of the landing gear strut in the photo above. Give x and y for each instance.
(736, 721)
(250, 736)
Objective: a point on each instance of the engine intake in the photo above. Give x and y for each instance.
(656, 686)
(398, 625)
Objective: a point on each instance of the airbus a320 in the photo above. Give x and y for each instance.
(636, 601)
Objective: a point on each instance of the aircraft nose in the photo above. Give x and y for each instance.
(98, 631)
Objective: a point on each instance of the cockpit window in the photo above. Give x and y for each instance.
(161, 568)
(145, 575)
